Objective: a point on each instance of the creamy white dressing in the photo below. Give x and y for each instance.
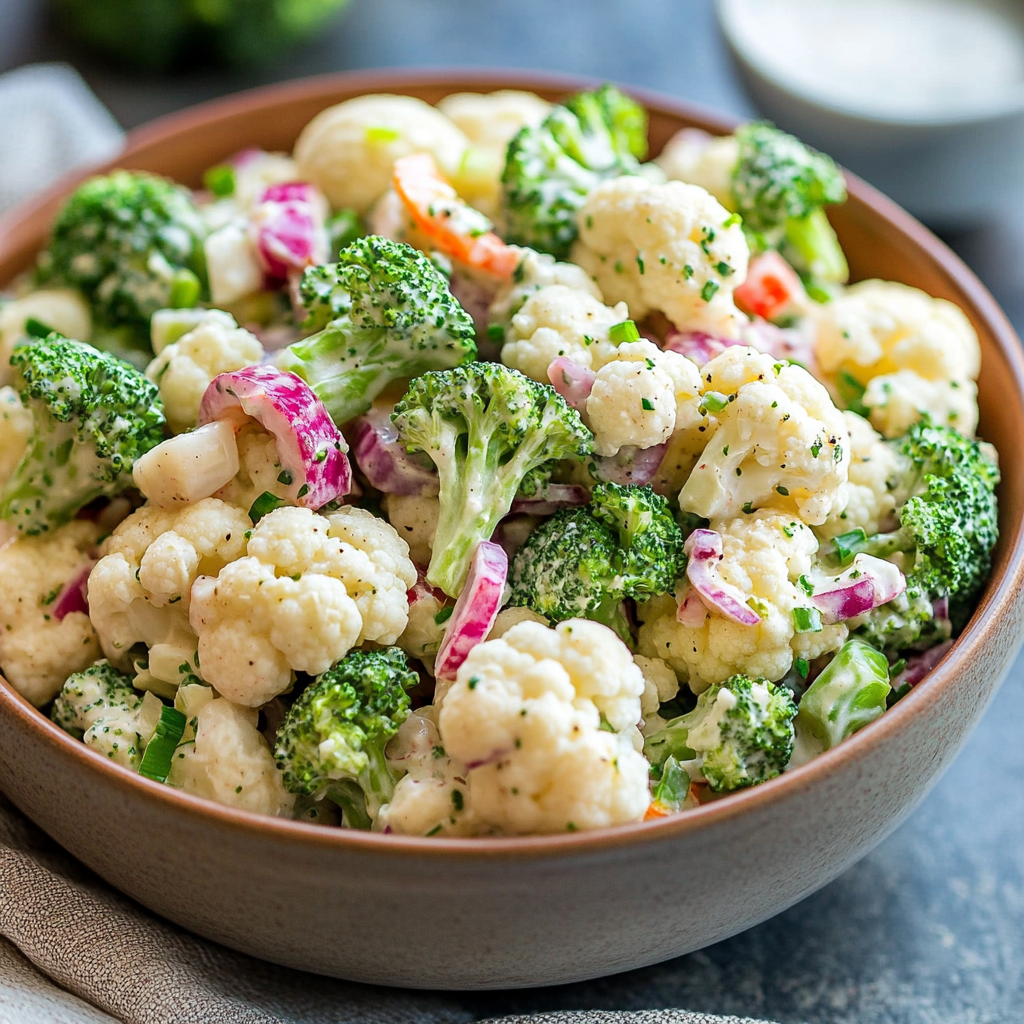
(887, 57)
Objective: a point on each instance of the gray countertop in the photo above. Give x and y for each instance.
(929, 928)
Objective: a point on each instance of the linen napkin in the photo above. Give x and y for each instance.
(52, 124)
(73, 950)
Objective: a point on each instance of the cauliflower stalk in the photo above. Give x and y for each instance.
(897, 354)
(779, 442)
(544, 718)
(765, 555)
(667, 247)
(37, 651)
(308, 589)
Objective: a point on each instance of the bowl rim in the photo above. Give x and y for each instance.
(1004, 104)
(1006, 581)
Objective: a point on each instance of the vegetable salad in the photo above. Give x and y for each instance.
(466, 472)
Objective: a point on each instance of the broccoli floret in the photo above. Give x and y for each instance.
(740, 733)
(93, 417)
(331, 743)
(133, 244)
(908, 623)
(382, 312)
(485, 427)
(549, 169)
(781, 186)
(949, 525)
(850, 692)
(343, 228)
(584, 561)
(100, 707)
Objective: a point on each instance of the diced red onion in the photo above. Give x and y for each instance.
(921, 664)
(704, 550)
(385, 462)
(940, 608)
(794, 344)
(631, 465)
(74, 596)
(869, 583)
(493, 758)
(475, 610)
(309, 445)
(421, 590)
(550, 499)
(572, 381)
(692, 612)
(287, 229)
(701, 348)
(475, 297)
(246, 157)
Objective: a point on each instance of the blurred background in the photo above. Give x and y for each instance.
(922, 97)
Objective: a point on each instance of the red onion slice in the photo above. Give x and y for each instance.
(692, 612)
(74, 596)
(921, 664)
(572, 381)
(475, 610)
(704, 550)
(631, 465)
(697, 346)
(385, 462)
(550, 499)
(309, 445)
(869, 583)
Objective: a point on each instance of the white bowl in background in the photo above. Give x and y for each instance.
(952, 164)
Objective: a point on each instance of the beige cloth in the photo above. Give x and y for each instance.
(74, 950)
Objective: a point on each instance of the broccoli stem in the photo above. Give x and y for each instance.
(813, 248)
(349, 797)
(377, 780)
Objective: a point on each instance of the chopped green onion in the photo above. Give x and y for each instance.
(265, 503)
(185, 289)
(37, 329)
(285, 477)
(713, 401)
(495, 332)
(806, 585)
(807, 620)
(382, 134)
(605, 725)
(851, 393)
(626, 331)
(848, 544)
(156, 762)
(707, 293)
(444, 614)
(674, 785)
(220, 180)
(647, 405)
(802, 666)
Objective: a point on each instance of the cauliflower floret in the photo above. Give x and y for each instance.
(875, 469)
(61, 309)
(16, 426)
(764, 556)
(660, 684)
(780, 442)
(232, 266)
(431, 798)
(894, 340)
(37, 653)
(696, 157)
(898, 400)
(642, 397)
(489, 121)
(509, 617)
(184, 369)
(415, 519)
(527, 711)
(560, 321)
(309, 589)
(259, 469)
(348, 150)
(534, 272)
(166, 326)
(139, 591)
(670, 247)
(228, 760)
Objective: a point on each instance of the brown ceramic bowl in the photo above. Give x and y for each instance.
(488, 913)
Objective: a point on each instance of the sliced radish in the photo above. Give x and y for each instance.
(869, 583)
(74, 596)
(572, 381)
(287, 229)
(385, 462)
(704, 551)
(475, 610)
(310, 447)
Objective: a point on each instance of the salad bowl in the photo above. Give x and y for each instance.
(508, 912)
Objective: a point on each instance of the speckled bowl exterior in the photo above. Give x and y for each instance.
(489, 913)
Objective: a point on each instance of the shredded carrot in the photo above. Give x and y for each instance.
(656, 810)
(456, 228)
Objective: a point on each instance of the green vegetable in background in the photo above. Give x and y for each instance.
(159, 35)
